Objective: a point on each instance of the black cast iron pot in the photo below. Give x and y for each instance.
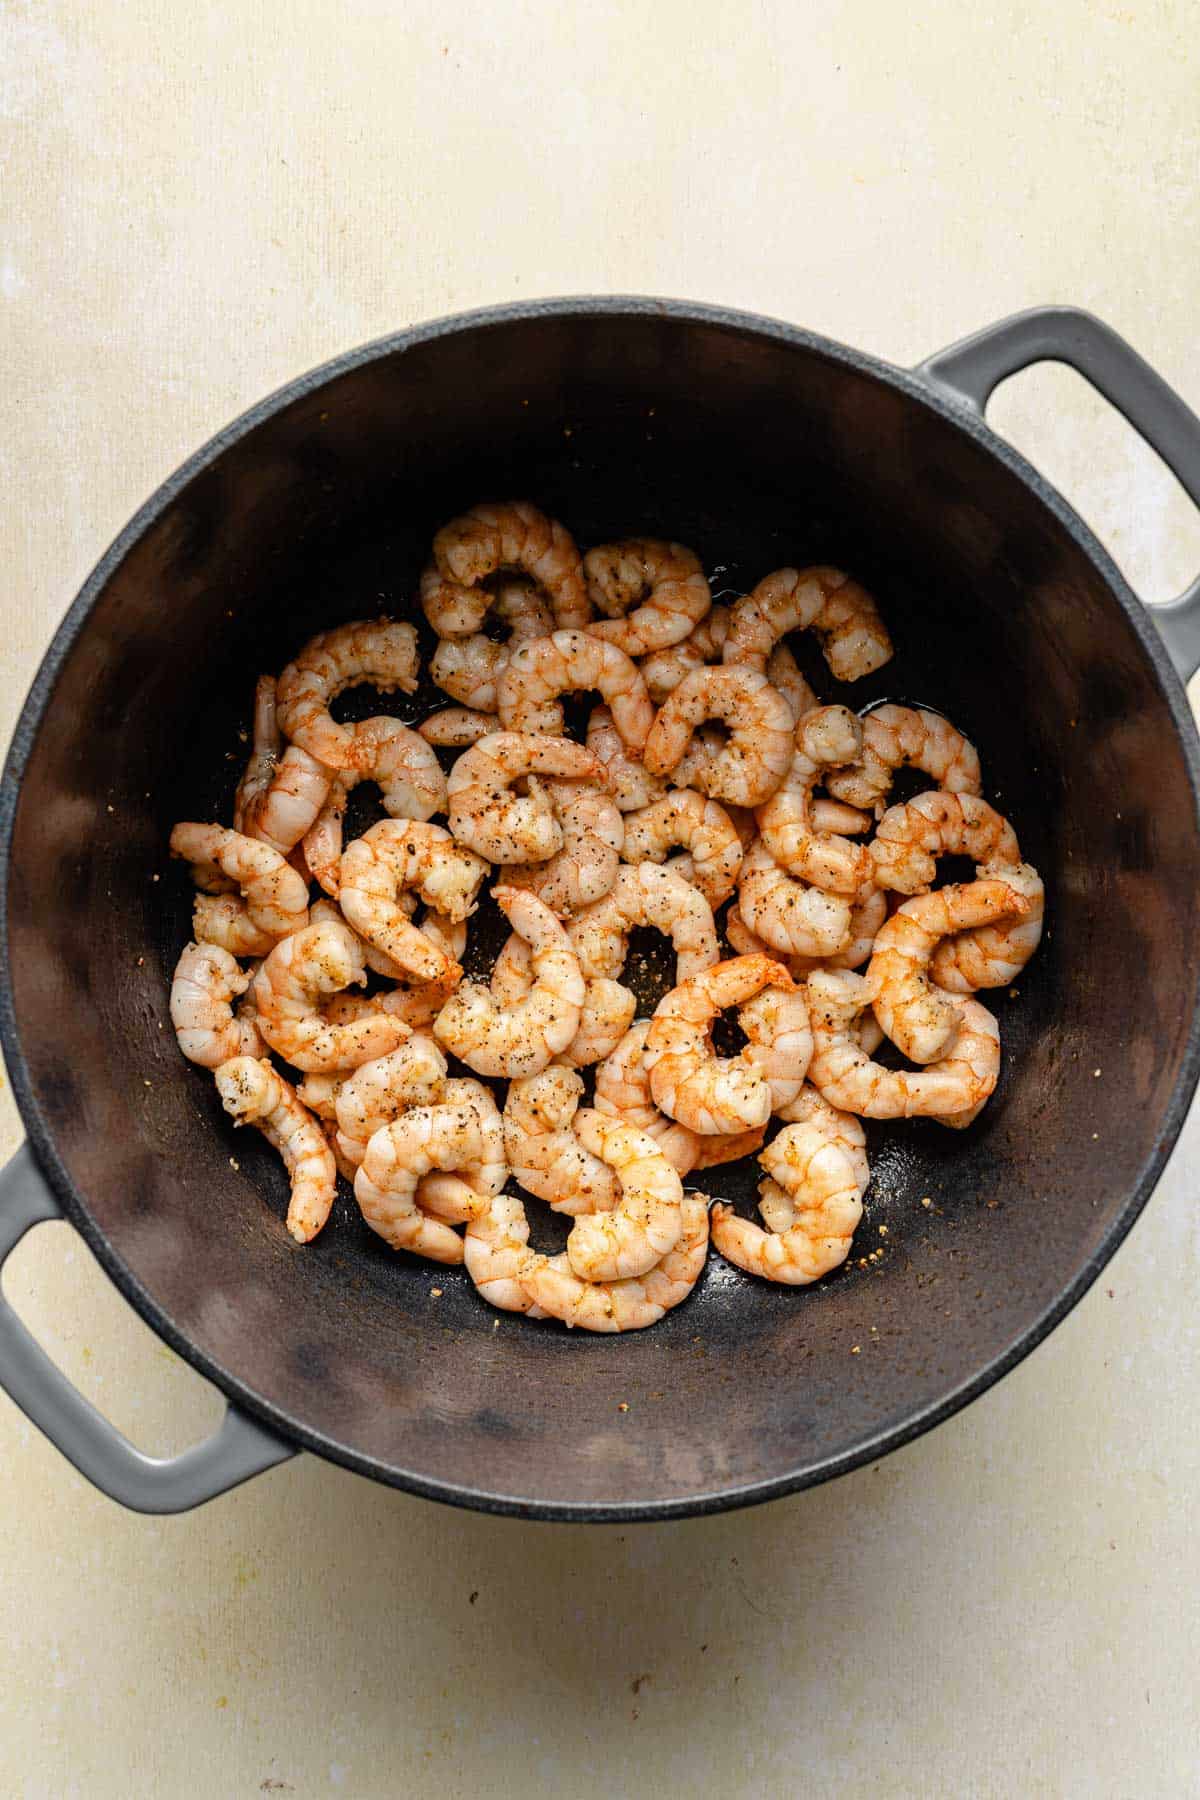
(760, 445)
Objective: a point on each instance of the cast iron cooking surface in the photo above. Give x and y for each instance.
(759, 446)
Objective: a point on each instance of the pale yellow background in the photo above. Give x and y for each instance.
(198, 202)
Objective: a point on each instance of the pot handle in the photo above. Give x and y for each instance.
(240, 1448)
(972, 368)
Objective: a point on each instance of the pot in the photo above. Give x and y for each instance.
(760, 445)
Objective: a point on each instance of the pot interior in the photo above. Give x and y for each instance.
(758, 450)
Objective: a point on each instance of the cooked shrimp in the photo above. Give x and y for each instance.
(422, 1139)
(896, 737)
(826, 735)
(629, 783)
(224, 919)
(665, 669)
(456, 727)
(783, 673)
(645, 895)
(585, 869)
(299, 973)
(382, 652)
(919, 1018)
(623, 1091)
(279, 795)
(844, 1074)
(910, 838)
(706, 1092)
(572, 662)
(663, 582)
(488, 817)
(629, 1305)
(469, 668)
(543, 1152)
(865, 919)
(749, 768)
(817, 1177)
(840, 1128)
(495, 1248)
(402, 853)
(458, 1197)
(606, 1015)
(411, 784)
(414, 1074)
(778, 1040)
(790, 915)
(253, 1094)
(835, 815)
(721, 1148)
(713, 848)
(647, 1220)
(500, 535)
(276, 897)
(993, 955)
(842, 616)
(521, 1039)
(206, 982)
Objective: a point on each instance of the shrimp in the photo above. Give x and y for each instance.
(993, 955)
(835, 815)
(747, 769)
(468, 668)
(910, 838)
(629, 783)
(629, 1305)
(819, 1180)
(253, 1094)
(828, 734)
(865, 919)
(411, 785)
(645, 895)
(787, 914)
(301, 971)
(486, 816)
(456, 727)
(276, 897)
(919, 1018)
(414, 1074)
(402, 853)
(842, 616)
(495, 1248)
(783, 672)
(663, 582)
(710, 837)
(720, 1148)
(279, 796)
(521, 1039)
(606, 1015)
(500, 535)
(895, 737)
(457, 1198)
(840, 1128)
(572, 662)
(543, 1152)
(382, 652)
(778, 1040)
(647, 1221)
(689, 1082)
(586, 867)
(665, 669)
(206, 982)
(224, 920)
(623, 1091)
(952, 1090)
(425, 1138)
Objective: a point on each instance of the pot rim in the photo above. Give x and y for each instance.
(915, 388)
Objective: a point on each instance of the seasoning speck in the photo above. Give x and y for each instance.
(435, 1293)
(883, 1231)
(926, 1201)
(1096, 1073)
(856, 1350)
(623, 1406)
(234, 1163)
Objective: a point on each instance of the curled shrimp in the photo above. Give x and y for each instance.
(628, 781)
(819, 1181)
(646, 1221)
(826, 735)
(865, 919)
(456, 1197)
(495, 1249)
(543, 1151)
(838, 611)
(411, 786)
(840, 1128)
(521, 1039)
(469, 668)
(663, 583)
(414, 1074)
(689, 1081)
(282, 791)
(500, 535)
(952, 1090)
(993, 955)
(778, 1040)
(789, 915)
(487, 816)
(549, 1282)
(224, 920)
(910, 838)
(605, 1017)
(206, 982)
(897, 737)
(572, 662)
(405, 853)
(446, 1137)
(585, 869)
(276, 897)
(919, 1018)
(295, 978)
(712, 845)
(747, 769)
(457, 727)
(623, 1091)
(382, 652)
(665, 669)
(252, 1093)
(640, 896)
(783, 672)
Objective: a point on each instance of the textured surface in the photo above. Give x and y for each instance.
(1021, 1578)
